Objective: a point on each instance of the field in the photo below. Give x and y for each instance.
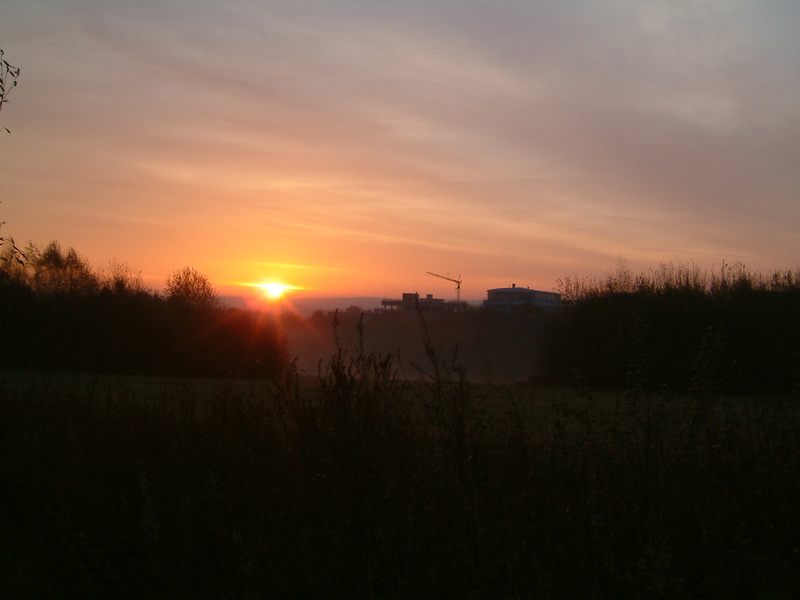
(357, 484)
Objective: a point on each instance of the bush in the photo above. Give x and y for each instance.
(680, 329)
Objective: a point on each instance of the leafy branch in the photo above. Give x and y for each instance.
(9, 76)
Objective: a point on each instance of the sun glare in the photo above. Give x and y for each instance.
(271, 291)
(274, 290)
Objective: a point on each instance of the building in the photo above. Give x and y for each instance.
(410, 301)
(509, 298)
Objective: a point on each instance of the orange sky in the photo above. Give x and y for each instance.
(347, 148)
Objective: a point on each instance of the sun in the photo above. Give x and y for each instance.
(274, 290)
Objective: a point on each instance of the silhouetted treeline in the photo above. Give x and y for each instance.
(56, 313)
(680, 329)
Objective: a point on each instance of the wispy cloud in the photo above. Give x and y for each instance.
(538, 135)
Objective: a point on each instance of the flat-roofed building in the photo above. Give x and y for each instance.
(509, 298)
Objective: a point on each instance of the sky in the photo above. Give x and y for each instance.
(348, 147)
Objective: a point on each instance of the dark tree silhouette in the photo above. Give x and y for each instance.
(56, 271)
(191, 289)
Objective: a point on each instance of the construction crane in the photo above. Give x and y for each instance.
(456, 281)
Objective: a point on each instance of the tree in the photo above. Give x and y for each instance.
(55, 271)
(190, 289)
(121, 279)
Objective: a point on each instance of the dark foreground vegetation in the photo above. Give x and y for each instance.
(680, 329)
(491, 347)
(362, 486)
(680, 479)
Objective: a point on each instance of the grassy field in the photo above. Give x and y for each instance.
(357, 484)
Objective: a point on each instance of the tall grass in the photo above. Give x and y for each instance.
(670, 277)
(359, 484)
(680, 329)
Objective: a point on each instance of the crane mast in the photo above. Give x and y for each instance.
(456, 281)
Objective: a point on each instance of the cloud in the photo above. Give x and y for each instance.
(515, 130)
